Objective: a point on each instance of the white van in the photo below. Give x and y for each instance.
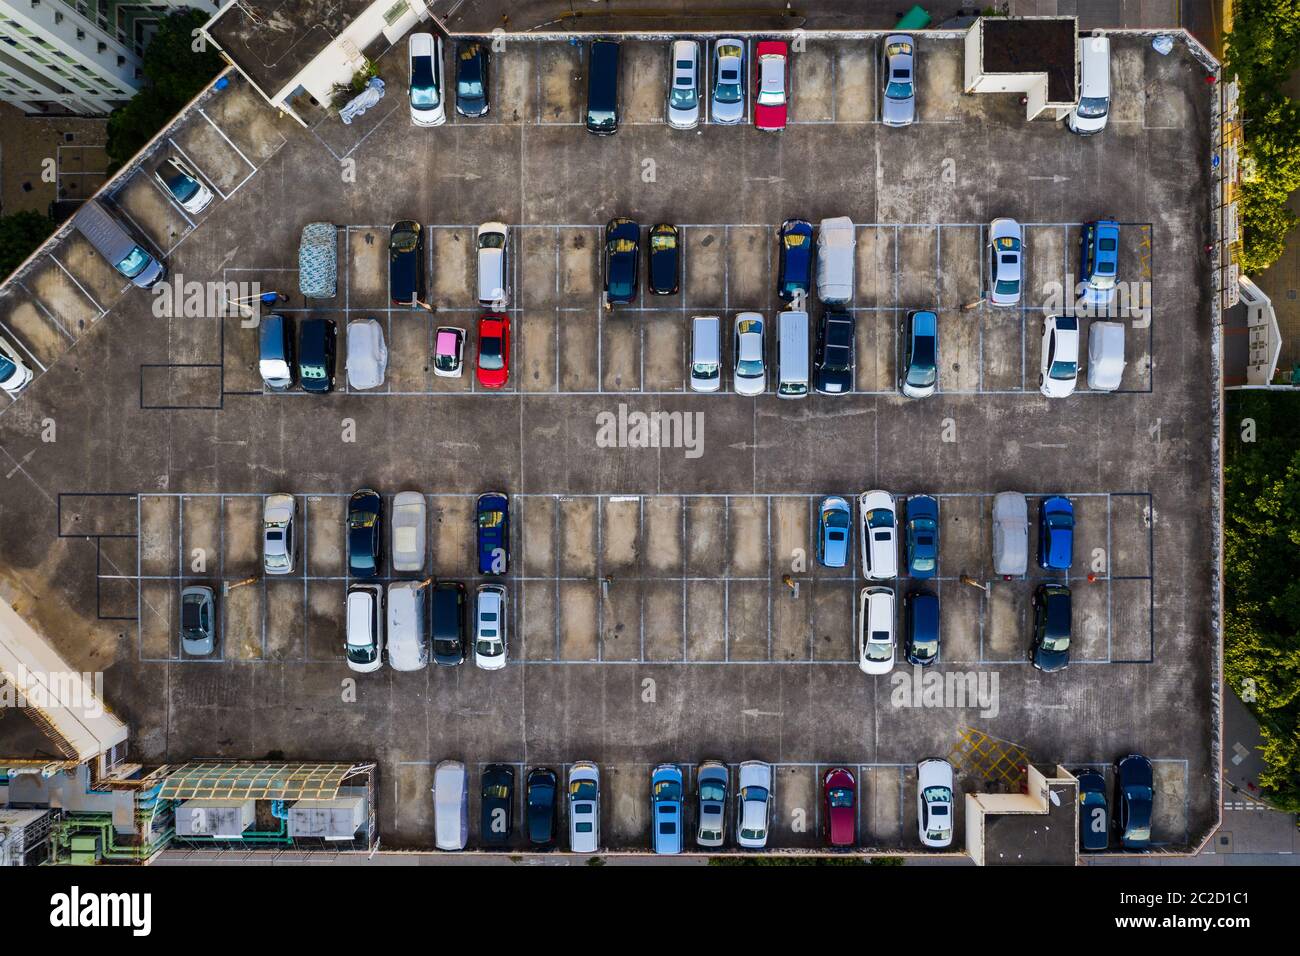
(836, 239)
(706, 353)
(1089, 114)
(408, 642)
(792, 355)
(115, 244)
(1105, 356)
(451, 805)
(493, 265)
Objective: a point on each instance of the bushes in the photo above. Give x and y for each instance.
(20, 234)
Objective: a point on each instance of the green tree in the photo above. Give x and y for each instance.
(20, 234)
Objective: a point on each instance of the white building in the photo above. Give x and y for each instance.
(76, 56)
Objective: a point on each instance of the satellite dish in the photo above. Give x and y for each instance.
(1054, 797)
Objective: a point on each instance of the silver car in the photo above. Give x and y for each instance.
(584, 807)
(1006, 260)
(408, 523)
(198, 621)
(754, 804)
(751, 371)
(490, 628)
(278, 545)
(728, 95)
(683, 110)
(898, 104)
(1010, 534)
(711, 782)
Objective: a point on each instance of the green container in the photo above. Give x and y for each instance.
(914, 19)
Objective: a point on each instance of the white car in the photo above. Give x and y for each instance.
(1060, 365)
(493, 265)
(183, 185)
(934, 802)
(451, 805)
(278, 546)
(428, 103)
(684, 85)
(751, 369)
(1006, 261)
(490, 628)
(728, 95)
(1105, 356)
(367, 354)
(584, 807)
(448, 351)
(754, 804)
(408, 525)
(876, 630)
(14, 373)
(364, 641)
(878, 518)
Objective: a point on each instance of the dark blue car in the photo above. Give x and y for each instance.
(1094, 815)
(921, 628)
(365, 534)
(921, 536)
(493, 514)
(1135, 786)
(622, 243)
(794, 259)
(1056, 534)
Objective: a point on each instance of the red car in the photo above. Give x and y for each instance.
(772, 81)
(493, 350)
(840, 807)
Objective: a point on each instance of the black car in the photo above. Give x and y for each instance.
(665, 259)
(833, 368)
(921, 628)
(1094, 815)
(471, 78)
(602, 88)
(406, 262)
(1134, 799)
(365, 534)
(497, 818)
(1050, 650)
(449, 601)
(794, 242)
(541, 799)
(622, 245)
(316, 345)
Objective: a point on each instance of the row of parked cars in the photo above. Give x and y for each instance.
(720, 813)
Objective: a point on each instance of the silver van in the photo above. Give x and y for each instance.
(408, 642)
(114, 243)
(836, 239)
(706, 353)
(792, 355)
(1010, 534)
(1089, 114)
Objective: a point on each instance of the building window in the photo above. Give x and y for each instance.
(396, 12)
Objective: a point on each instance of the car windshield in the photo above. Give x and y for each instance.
(1064, 371)
(622, 245)
(424, 91)
(134, 263)
(491, 519)
(469, 81)
(710, 791)
(668, 790)
(1008, 286)
(490, 355)
(663, 241)
(1093, 106)
(583, 790)
(683, 95)
(180, 185)
(1007, 244)
(880, 518)
(403, 240)
(362, 653)
(922, 371)
(492, 240)
(939, 795)
(705, 370)
(7, 368)
(796, 240)
(749, 368)
(924, 650)
(191, 617)
(879, 647)
(487, 648)
(840, 797)
(898, 91)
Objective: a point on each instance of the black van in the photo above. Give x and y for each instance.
(602, 88)
(316, 344)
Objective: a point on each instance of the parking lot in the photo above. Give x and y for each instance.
(650, 618)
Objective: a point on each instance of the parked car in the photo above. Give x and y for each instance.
(712, 782)
(493, 243)
(406, 262)
(365, 534)
(921, 628)
(540, 799)
(835, 363)
(1094, 814)
(448, 351)
(683, 111)
(794, 259)
(14, 373)
(839, 807)
(1099, 262)
(363, 646)
(316, 347)
(622, 252)
(1010, 534)
(706, 353)
(408, 635)
(920, 376)
(602, 88)
(1056, 533)
(492, 516)
(584, 807)
(472, 78)
(279, 547)
(665, 259)
(1049, 649)
(754, 801)
(934, 802)
(876, 630)
(1089, 114)
(836, 260)
(408, 527)
(183, 185)
(198, 621)
(727, 103)
(750, 372)
(1105, 356)
(493, 350)
(448, 623)
(1134, 801)
(318, 260)
(490, 628)
(1006, 261)
(367, 354)
(898, 101)
(666, 795)
(424, 59)
(1060, 356)
(451, 806)
(275, 354)
(879, 520)
(834, 527)
(772, 85)
(497, 803)
(921, 536)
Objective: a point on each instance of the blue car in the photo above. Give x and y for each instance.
(834, 525)
(1056, 534)
(921, 536)
(1134, 800)
(1099, 261)
(921, 628)
(493, 533)
(794, 242)
(666, 809)
(1094, 815)
(622, 245)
